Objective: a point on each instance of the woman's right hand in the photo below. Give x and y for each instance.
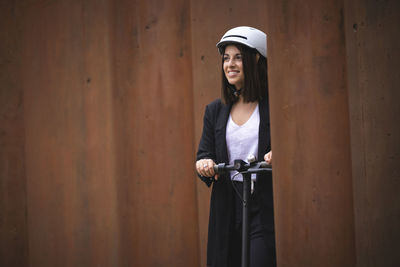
(205, 167)
(268, 157)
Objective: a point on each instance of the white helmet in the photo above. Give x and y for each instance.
(247, 36)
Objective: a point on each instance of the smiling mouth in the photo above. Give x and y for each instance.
(233, 73)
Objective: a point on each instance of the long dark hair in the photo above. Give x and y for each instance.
(255, 77)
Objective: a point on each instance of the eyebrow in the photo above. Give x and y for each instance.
(225, 54)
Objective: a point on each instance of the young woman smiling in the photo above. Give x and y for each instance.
(236, 126)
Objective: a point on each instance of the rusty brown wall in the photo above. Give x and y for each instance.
(98, 134)
(101, 106)
(310, 134)
(373, 58)
(334, 88)
(69, 142)
(13, 224)
(153, 111)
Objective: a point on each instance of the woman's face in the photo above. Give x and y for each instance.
(233, 66)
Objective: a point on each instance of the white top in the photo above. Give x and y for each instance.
(242, 141)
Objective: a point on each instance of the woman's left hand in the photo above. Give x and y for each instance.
(268, 157)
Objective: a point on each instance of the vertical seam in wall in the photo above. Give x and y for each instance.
(343, 26)
(198, 239)
(21, 29)
(115, 240)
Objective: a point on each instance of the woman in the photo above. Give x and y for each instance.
(235, 127)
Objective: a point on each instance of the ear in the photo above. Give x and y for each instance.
(257, 57)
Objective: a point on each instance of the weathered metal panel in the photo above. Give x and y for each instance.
(373, 58)
(310, 134)
(153, 113)
(65, 72)
(13, 225)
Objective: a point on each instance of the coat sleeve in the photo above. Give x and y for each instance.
(206, 148)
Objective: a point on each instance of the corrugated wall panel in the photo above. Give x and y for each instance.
(13, 225)
(153, 111)
(310, 134)
(71, 194)
(373, 58)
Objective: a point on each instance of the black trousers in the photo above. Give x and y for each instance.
(262, 253)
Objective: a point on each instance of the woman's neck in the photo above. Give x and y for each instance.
(241, 111)
(241, 102)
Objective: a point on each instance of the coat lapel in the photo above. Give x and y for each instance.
(264, 144)
(220, 134)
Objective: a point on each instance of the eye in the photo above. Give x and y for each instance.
(238, 57)
(226, 58)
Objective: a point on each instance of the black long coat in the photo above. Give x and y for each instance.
(213, 146)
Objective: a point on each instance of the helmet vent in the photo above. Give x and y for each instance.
(239, 36)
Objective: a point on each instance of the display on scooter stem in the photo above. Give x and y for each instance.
(242, 166)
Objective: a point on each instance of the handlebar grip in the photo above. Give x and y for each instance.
(264, 164)
(215, 167)
(219, 168)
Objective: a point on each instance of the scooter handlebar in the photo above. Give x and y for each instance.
(241, 166)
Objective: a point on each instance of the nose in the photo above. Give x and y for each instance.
(231, 62)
